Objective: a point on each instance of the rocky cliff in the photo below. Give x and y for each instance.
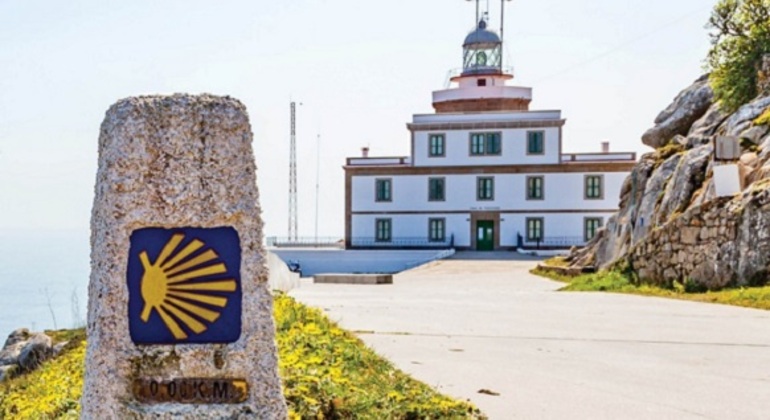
(671, 226)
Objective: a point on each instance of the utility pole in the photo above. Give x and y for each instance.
(293, 176)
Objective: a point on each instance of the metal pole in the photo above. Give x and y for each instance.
(317, 172)
(502, 26)
(293, 175)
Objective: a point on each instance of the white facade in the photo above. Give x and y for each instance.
(513, 148)
(561, 191)
(484, 173)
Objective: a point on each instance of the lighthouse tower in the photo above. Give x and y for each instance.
(482, 84)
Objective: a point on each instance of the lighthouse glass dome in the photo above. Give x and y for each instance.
(482, 52)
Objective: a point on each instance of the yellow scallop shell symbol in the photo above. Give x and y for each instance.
(173, 286)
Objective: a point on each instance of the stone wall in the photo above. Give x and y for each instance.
(724, 242)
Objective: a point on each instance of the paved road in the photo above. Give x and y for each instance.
(468, 324)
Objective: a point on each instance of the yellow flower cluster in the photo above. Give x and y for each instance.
(327, 373)
(51, 392)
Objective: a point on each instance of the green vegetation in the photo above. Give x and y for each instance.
(667, 151)
(740, 37)
(763, 119)
(327, 373)
(748, 146)
(552, 275)
(51, 392)
(556, 262)
(618, 282)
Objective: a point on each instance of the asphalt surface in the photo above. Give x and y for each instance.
(482, 322)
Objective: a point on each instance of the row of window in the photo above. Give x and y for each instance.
(486, 144)
(384, 230)
(535, 230)
(485, 188)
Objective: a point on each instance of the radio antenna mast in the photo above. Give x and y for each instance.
(293, 175)
(502, 23)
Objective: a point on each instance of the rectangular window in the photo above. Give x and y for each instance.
(593, 187)
(535, 142)
(436, 143)
(486, 144)
(436, 230)
(383, 230)
(535, 188)
(534, 229)
(383, 190)
(436, 190)
(592, 225)
(485, 188)
(477, 144)
(493, 144)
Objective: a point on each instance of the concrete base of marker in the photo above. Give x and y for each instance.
(353, 278)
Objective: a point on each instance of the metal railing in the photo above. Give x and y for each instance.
(305, 242)
(458, 71)
(553, 242)
(401, 242)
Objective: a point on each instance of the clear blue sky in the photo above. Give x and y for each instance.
(361, 69)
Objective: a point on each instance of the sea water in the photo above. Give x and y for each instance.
(43, 279)
(44, 275)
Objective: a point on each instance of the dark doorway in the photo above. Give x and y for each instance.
(485, 235)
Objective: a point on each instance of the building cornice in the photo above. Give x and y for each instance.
(501, 211)
(489, 125)
(572, 167)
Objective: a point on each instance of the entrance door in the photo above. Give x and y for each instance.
(485, 235)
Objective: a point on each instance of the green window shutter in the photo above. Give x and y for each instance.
(535, 144)
(493, 144)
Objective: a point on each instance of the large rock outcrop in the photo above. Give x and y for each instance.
(671, 226)
(678, 118)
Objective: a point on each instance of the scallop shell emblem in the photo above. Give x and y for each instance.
(177, 286)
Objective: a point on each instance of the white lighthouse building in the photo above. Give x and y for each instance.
(485, 172)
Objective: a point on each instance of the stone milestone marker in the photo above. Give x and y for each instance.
(179, 315)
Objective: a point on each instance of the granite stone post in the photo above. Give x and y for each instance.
(179, 315)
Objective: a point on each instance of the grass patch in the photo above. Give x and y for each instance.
(605, 281)
(616, 282)
(556, 262)
(748, 297)
(563, 278)
(327, 373)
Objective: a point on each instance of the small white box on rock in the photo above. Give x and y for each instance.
(727, 180)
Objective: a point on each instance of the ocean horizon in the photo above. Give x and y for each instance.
(43, 279)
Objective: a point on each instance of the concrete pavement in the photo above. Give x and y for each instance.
(478, 322)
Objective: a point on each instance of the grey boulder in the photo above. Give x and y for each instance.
(678, 118)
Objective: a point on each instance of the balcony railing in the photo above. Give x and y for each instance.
(552, 242)
(402, 242)
(305, 242)
(598, 157)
